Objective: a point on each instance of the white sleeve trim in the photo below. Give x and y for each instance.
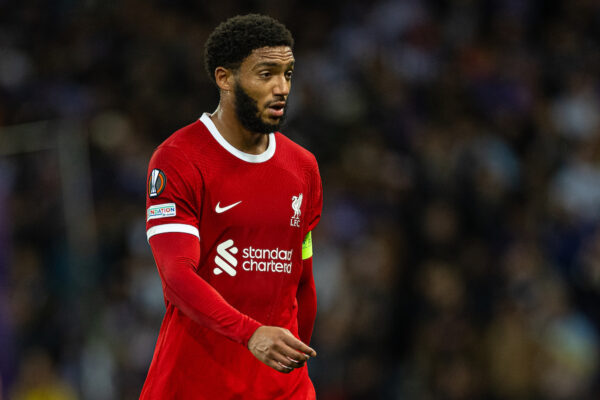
(167, 228)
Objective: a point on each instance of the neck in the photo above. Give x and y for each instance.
(236, 135)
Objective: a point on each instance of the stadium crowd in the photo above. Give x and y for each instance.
(459, 145)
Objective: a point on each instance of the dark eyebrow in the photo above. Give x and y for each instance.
(271, 64)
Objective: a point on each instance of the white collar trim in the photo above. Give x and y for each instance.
(251, 158)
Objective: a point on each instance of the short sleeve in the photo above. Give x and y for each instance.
(173, 194)
(316, 198)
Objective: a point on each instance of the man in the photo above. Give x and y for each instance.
(230, 210)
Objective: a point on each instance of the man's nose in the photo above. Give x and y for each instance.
(282, 86)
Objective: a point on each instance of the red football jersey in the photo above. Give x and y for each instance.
(251, 214)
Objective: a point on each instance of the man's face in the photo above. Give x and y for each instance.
(262, 85)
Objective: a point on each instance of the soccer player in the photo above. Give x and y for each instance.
(231, 204)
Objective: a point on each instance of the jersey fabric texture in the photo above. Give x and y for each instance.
(250, 215)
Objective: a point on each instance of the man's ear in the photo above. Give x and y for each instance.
(224, 78)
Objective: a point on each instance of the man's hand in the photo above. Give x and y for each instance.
(279, 349)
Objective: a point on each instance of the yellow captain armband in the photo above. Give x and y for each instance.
(307, 247)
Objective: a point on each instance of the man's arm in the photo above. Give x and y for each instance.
(307, 301)
(177, 255)
(306, 294)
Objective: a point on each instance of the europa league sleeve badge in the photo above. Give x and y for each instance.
(156, 183)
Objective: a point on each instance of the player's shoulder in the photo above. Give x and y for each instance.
(180, 143)
(190, 135)
(294, 150)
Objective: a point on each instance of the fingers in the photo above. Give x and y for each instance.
(292, 358)
(286, 365)
(278, 366)
(281, 363)
(285, 369)
(285, 356)
(298, 345)
(289, 349)
(279, 349)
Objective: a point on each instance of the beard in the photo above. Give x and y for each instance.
(247, 112)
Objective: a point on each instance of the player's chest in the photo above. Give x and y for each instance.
(256, 198)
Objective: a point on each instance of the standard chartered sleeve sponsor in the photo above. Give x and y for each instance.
(267, 260)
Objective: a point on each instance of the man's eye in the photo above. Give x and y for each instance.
(265, 74)
(289, 74)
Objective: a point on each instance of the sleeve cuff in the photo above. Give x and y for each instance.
(252, 326)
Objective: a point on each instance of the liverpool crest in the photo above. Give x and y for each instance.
(296, 204)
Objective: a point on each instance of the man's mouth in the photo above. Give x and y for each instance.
(276, 109)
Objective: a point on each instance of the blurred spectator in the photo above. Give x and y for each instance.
(38, 380)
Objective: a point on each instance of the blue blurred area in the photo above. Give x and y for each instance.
(459, 144)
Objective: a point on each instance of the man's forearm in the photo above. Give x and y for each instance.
(177, 256)
(307, 302)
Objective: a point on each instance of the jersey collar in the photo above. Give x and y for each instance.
(252, 158)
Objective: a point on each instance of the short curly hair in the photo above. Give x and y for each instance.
(233, 40)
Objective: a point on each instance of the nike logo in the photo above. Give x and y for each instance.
(220, 210)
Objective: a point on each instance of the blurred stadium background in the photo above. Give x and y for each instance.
(459, 144)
